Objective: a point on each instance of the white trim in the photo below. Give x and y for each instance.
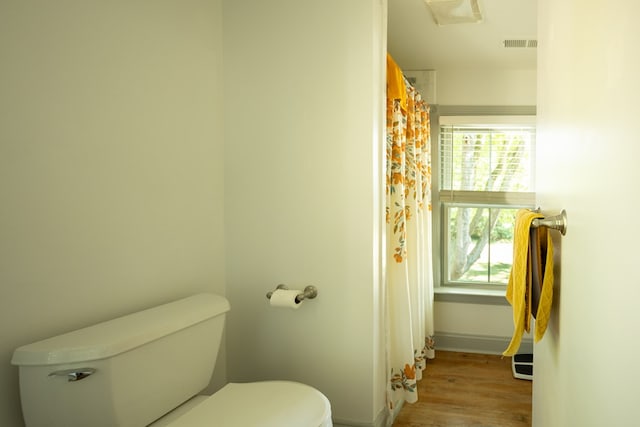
(380, 420)
(495, 121)
(483, 344)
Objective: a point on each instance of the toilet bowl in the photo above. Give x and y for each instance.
(259, 404)
(146, 369)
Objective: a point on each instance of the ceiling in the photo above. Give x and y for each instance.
(416, 42)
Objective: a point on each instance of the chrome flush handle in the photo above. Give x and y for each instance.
(74, 374)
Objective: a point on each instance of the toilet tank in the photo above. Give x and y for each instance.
(124, 372)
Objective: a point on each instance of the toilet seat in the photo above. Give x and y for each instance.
(260, 404)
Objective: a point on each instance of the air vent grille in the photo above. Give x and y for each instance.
(520, 43)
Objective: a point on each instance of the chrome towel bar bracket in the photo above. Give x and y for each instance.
(556, 222)
(310, 292)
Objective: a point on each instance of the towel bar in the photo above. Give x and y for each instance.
(556, 222)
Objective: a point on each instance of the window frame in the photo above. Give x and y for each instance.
(469, 291)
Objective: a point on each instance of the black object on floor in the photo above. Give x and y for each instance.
(522, 366)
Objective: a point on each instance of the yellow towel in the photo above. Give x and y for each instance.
(519, 287)
(546, 296)
(396, 87)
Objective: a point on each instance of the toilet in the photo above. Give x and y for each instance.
(147, 369)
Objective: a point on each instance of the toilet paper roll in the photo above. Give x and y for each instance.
(285, 298)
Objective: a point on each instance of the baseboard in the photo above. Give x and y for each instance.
(380, 421)
(485, 344)
(337, 422)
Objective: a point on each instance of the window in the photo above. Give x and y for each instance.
(486, 173)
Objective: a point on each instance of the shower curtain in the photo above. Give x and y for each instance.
(409, 278)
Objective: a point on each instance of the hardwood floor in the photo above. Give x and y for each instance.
(464, 390)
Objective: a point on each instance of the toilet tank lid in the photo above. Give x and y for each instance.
(116, 336)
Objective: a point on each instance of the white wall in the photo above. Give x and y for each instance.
(486, 86)
(303, 103)
(111, 168)
(474, 319)
(588, 89)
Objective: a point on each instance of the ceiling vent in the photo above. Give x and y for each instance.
(520, 43)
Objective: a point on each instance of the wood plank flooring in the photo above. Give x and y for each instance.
(468, 390)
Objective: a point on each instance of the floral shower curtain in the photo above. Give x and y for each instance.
(409, 273)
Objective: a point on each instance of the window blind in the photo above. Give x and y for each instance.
(487, 158)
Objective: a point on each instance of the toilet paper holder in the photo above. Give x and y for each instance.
(310, 292)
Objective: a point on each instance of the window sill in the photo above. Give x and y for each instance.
(470, 295)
